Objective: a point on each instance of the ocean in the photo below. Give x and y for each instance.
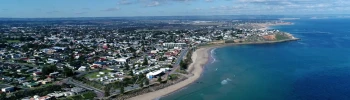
(317, 67)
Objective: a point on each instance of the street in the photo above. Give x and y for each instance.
(179, 59)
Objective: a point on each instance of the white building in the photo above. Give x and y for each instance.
(122, 60)
(8, 89)
(82, 68)
(174, 44)
(150, 75)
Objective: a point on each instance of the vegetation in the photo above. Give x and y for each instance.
(49, 69)
(281, 36)
(91, 83)
(122, 90)
(107, 90)
(131, 73)
(94, 74)
(183, 65)
(12, 41)
(159, 79)
(68, 72)
(146, 82)
(145, 61)
(2, 96)
(127, 67)
(41, 91)
(181, 71)
(173, 76)
(141, 84)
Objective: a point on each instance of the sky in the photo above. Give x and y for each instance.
(121, 8)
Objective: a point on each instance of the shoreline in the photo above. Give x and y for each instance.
(217, 45)
(200, 58)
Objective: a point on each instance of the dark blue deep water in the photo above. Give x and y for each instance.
(314, 68)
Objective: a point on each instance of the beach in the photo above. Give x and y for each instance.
(200, 58)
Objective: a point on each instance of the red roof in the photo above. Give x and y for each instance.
(169, 54)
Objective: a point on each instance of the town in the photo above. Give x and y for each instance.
(70, 59)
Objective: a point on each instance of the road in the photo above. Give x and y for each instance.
(179, 59)
(100, 93)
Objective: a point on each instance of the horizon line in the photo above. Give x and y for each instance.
(169, 16)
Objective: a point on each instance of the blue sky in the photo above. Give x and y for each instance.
(116, 8)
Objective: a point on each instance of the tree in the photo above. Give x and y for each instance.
(146, 82)
(131, 49)
(170, 77)
(127, 67)
(134, 54)
(67, 72)
(48, 69)
(183, 65)
(145, 61)
(141, 84)
(107, 91)
(170, 66)
(159, 79)
(131, 73)
(122, 89)
(2, 96)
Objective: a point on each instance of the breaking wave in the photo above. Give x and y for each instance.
(225, 81)
(212, 55)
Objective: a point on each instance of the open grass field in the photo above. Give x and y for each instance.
(94, 74)
(12, 41)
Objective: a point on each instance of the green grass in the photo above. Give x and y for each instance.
(88, 95)
(181, 71)
(12, 41)
(281, 36)
(174, 76)
(94, 74)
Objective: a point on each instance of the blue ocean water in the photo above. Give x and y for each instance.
(314, 68)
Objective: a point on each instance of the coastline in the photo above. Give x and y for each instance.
(200, 58)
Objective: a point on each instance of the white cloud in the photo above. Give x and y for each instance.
(153, 4)
(112, 9)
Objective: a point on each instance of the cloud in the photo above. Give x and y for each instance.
(112, 9)
(125, 2)
(153, 4)
(181, 0)
(80, 13)
(281, 6)
(52, 12)
(85, 8)
(198, 9)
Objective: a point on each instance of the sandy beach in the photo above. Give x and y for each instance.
(200, 58)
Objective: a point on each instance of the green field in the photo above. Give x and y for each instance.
(282, 36)
(12, 41)
(94, 74)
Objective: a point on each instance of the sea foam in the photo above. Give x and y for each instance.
(212, 55)
(225, 81)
